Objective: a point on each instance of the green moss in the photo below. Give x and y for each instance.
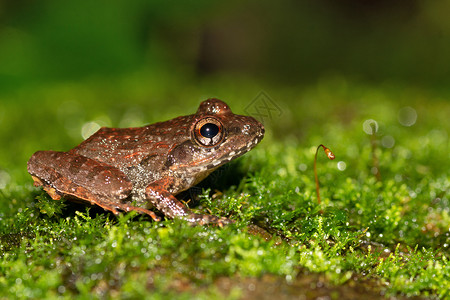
(391, 233)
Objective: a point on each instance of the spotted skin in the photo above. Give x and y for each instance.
(144, 167)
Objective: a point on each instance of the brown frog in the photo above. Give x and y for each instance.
(139, 168)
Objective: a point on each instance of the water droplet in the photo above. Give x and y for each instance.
(407, 116)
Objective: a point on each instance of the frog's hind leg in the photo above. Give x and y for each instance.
(65, 187)
(79, 177)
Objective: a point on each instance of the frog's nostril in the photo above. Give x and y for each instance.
(235, 130)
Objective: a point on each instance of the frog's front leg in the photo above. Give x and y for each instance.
(79, 177)
(159, 196)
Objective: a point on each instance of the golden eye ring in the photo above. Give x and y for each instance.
(208, 132)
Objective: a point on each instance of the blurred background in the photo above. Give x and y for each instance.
(316, 70)
(286, 41)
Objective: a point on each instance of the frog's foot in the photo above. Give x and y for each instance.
(165, 202)
(50, 190)
(127, 207)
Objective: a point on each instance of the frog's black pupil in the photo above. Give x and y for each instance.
(209, 130)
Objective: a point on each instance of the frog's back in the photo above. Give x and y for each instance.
(124, 147)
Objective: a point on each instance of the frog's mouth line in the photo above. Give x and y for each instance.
(202, 166)
(233, 154)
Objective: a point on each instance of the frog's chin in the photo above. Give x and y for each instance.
(227, 157)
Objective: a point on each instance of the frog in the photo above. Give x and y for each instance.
(143, 168)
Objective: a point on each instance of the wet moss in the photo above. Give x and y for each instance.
(384, 235)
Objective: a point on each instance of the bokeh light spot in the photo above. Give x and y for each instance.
(407, 116)
(4, 179)
(341, 165)
(89, 128)
(388, 141)
(370, 126)
(302, 167)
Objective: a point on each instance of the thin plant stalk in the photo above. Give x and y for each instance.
(331, 156)
(373, 142)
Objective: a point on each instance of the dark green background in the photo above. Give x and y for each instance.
(285, 41)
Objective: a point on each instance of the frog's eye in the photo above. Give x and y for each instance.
(208, 132)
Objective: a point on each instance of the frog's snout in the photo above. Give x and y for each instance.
(258, 128)
(262, 130)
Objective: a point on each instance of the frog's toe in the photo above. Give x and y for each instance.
(127, 207)
(37, 182)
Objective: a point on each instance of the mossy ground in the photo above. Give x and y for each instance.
(377, 236)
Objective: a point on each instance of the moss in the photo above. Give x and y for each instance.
(387, 236)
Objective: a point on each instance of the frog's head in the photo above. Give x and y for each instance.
(217, 136)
